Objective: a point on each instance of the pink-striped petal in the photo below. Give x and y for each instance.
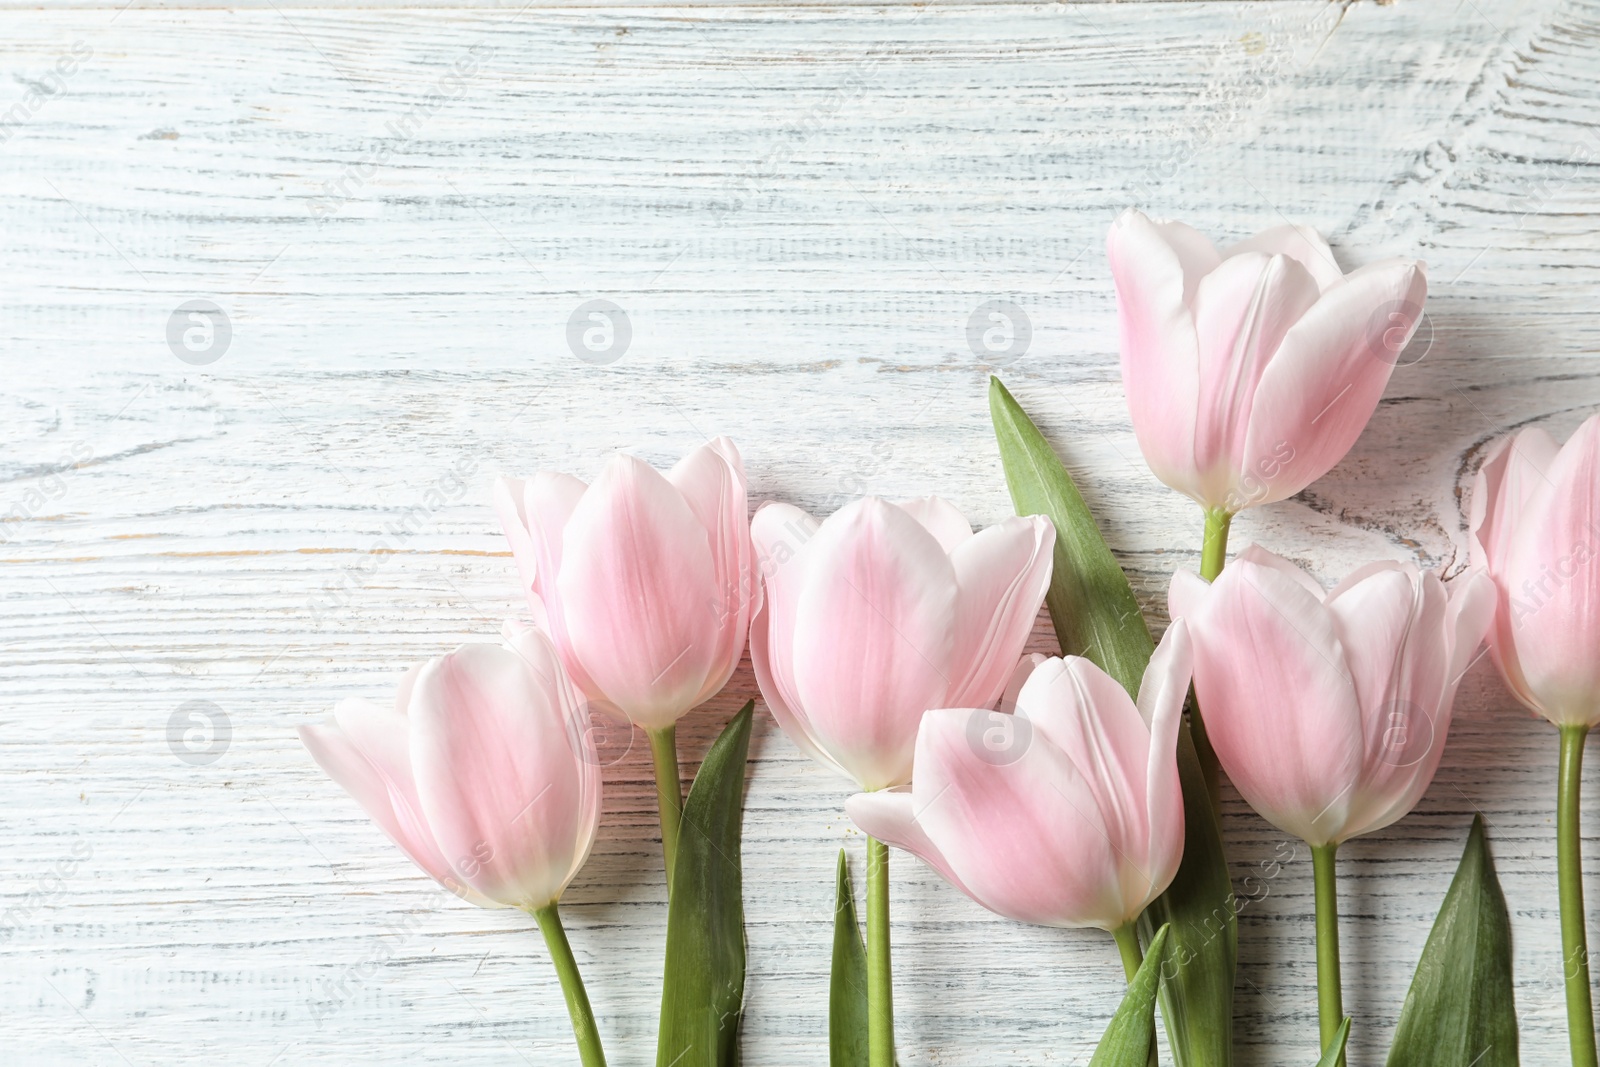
(500, 775)
(874, 631)
(638, 590)
(1003, 574)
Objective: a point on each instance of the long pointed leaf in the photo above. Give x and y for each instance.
(1461, 1006)
(847, 990)
(1127, 1040)
(1097, 616)
(1335, 1049)
(702, 991)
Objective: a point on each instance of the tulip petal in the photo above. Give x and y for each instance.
(889, 815)
(874, 631)
(1024, 835)
(380, 781)
(548, 501)
(509, 495)
(780, 534)
(1262, 557)
(1003, 574)
(1510, 477)
(1318, 392)
(940, 518)
(1552, 579)
(1243, 311)
(1157, 269)
(1162, 691)
(1263, 638)
(500, 775)
(1186, 594)
(711, 479)
(639, 593)
(1083, 712)
(1019, 677)
(1302, 244)
(1392, 625)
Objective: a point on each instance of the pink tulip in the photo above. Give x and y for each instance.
(1536, 529)
(645, 582)
(483, 770)
(883, 611)
(1068, 814)
(1329, 711)
(1250, 372)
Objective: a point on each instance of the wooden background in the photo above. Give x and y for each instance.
(799, 208)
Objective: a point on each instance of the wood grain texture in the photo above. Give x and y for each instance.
(799, 208)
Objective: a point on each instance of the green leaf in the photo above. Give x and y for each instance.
(847, 990)
(1092, 607)
(1097, 616)
(1128, 1037)
(1331, 1054)
(702, 991)
(1461, 1007)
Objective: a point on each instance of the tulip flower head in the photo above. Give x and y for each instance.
(1250, 372)
(1329, 711)
(1535, 528)
(883, 611)
(1077, 821)
(645, 582)
(482, 770)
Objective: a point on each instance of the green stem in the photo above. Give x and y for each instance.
(583, 1027)
(1214, 548)
(1330, 996)
(1569, 868)
(669, 792)
(1213, 556)
(1128, 944)
(880, 986)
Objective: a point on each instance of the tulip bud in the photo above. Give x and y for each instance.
(482, 771)
(1077, 822)
(645, 582)
(1249, 373)
(1536, 530)
(882, 612)
(1329, 711)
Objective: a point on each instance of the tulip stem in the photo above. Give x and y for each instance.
(1569, 867)
(669, 791)
(1214, 547)
(1128, 944)
(1330, 997)
(1213, 556)
(880, 986)
(583, 1026)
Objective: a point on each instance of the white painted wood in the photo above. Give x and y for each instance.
(799, 209)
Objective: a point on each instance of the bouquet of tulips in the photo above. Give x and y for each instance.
(1072, 791)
